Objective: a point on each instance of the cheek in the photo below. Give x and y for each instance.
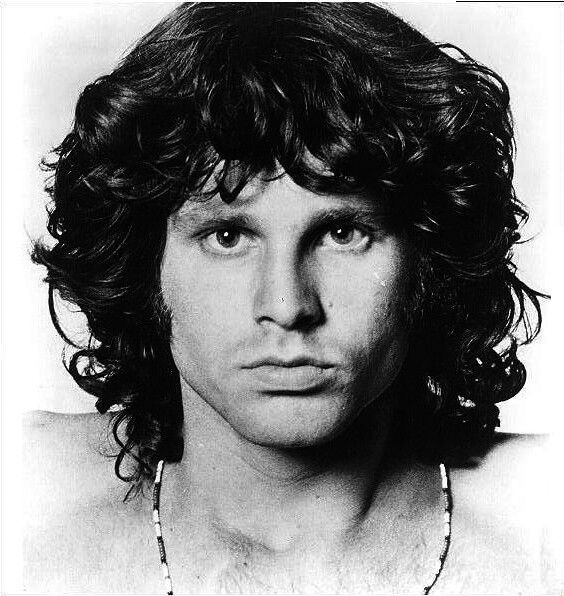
(369, 296)
(194, 321)
(204, 305)
(366, 310)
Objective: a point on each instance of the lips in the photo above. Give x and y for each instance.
(295, 375)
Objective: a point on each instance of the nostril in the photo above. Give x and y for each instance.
(300, 311)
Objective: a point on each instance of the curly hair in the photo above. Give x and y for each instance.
(218, 93)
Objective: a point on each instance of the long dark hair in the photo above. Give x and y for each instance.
(216, 94)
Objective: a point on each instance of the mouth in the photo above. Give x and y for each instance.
(275, 375)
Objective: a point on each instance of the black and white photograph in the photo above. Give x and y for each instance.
(282, 298)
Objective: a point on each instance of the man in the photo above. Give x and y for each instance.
(289, 227)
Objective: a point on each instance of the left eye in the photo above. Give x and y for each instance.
(344, 236)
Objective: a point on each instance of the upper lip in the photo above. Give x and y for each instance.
(287, 362)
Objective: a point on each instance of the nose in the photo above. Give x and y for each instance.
(286, 294)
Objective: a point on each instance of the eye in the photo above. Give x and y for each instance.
(345, 237)
(226, 241)
(342, 234)
(228, 238)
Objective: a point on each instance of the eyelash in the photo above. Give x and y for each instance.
(367, 236)
(210, 234)
(368, 231)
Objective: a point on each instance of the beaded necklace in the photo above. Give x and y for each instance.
(447, 502)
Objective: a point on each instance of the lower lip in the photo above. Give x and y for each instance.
(290, 379)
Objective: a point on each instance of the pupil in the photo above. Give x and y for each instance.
(342, 234)
(227, 238)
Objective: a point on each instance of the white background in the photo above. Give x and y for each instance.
(50, 52)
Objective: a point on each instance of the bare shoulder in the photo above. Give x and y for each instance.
(77, 522)
(507, 468)
(506, 521)
(510, 480)
(68, 457)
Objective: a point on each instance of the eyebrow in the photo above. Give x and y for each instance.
(351, 213)
(193, 217)
(196, 218)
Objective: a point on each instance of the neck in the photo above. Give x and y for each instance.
(279, 498)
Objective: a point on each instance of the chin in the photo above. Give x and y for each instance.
(295, 422)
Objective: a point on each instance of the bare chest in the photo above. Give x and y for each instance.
(400, 565)
(124, 558)
(311, 571)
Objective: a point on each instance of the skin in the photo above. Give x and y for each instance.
(281, 273)
(278, 460)
(79, 536)
(283, 488)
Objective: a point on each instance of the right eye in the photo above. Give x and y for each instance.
(227, 238)
(226, 241)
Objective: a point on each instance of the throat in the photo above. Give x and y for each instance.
(278, 499)
(247, 509)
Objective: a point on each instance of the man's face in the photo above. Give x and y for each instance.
(287, 308)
